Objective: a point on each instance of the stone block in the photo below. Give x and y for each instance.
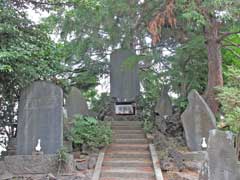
(222, 159)
(197, 120)
(37, 164)
(124, 80)
(40, 117)
(76, 104)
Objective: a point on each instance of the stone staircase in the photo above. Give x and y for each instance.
(128, 157)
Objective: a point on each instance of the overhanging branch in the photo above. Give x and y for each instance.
(225, 34)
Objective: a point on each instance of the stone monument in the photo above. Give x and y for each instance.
(76, 104)
(197, 120)
(222, 159)
(40, 117)
(164, 104)
(124, 81)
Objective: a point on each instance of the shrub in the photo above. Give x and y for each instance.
(229, 96)
(148, 126)
(88, 131)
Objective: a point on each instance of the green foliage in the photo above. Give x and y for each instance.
(229, 96)
(62, 155)
(231, 51)
(88, 131)
(148, 126)
(188, 69)
(26, 54)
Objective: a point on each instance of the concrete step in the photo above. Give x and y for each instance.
(118, 178)
(117, 151)
(129, 163)
(126, 127)
(127, 172)
(133, 147)
(126, 131)
(128, 136)
(128, 154)
(128, 123)
(130, 141)
(128, 159)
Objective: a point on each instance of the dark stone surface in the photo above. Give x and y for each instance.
(163, 107)
(222, 159)
(92, 162)
(82, 165)
(37, 164)
(197, 120)
(11, 148)
(167, 165)
(177, 158)
(76, 104)
(40, 117)
(124, 81)
(170, 125)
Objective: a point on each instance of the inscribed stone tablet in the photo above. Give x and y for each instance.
(40, 117)
(197, 120)
(124, 81)
(76, 104)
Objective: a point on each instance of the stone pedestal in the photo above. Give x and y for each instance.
(37, 164)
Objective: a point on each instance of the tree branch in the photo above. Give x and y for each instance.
(225, 34)
(234, 52)
(231, 43)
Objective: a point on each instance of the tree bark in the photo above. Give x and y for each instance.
(215, 77)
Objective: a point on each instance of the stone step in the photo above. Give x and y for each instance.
(128, 159)
(128, 163)
(133, 147)
(119, 151)
(128, 136)
(129, 154)
(126, 127)
(127, 172)
(127, 123)
(126, 131)
(119, 178)
(130, 141)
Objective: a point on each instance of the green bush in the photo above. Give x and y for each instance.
(229, 97)
(148, 126)
(88, 131)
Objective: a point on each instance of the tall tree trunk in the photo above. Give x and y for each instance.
(215, 77)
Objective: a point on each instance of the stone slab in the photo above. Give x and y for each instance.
(222, 159)
(124, 80)
(98, 167)
(76, 104)
(197, 120)
(40, 117)
(37, 164)
(164, 104)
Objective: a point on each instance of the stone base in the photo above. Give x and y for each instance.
(37, 153)
(194, 156)
(37, 164)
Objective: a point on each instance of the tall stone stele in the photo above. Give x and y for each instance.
(197, 120)
(40, 117)
(222, 158)
(124, 81)
(164, 104)
(76, 104)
